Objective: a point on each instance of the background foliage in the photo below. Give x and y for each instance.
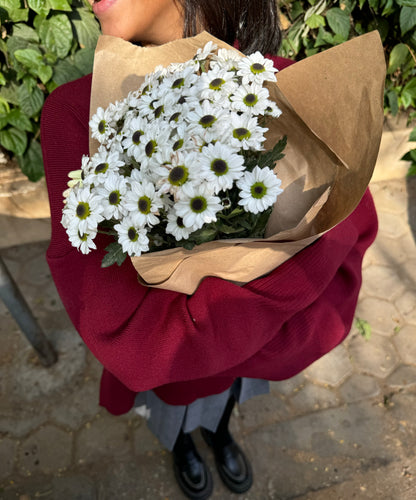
(315, 25)
(45, 43)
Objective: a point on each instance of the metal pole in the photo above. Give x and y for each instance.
(17, 305)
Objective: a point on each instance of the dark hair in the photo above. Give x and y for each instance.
(253, 23)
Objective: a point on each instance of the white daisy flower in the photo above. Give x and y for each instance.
(105, 161)
(132, 237)
(226, 59)
(132, 133)
(183, 169)
(251, 98)
(143, 203)
(203, 120)
(100, 125)
(82, 211)
(197, 205)
(215, 84)
(220, 166)
(176, 227)
(259, 189)
(206, 51)
(257, 69)
(272, 110)
(244, 132)
(83, 242)
(112, 193)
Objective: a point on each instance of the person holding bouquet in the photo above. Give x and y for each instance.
(183, 361)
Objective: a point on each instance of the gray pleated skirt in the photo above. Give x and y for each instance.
(165, 421)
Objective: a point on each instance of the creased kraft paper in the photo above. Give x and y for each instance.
(332, 106)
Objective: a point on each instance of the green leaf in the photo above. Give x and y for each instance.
(19, 120)
(44, 73)
(412, 136)
(315, 20)
(56, 34)
(115, 255)
(388, 8)
(9, 93)
(65, 71)
(363, 328)
(270, 157)
(86, 27)
(407, 19)
(339, 22)
(10, 11)
(398, 56)
(31, 162)
(407, 3)
(411, 171)
(60, 5)
(26, 32)
(3, 119)
(393, 102)
(84, 60)
(14, 140)
(361, 3)
(373, 4)
(31, 100)
(41, 7)
(2, 79)
(30, 58)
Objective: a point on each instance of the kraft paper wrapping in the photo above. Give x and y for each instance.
(332, 115)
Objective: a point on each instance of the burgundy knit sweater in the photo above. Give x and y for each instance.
(186, 347)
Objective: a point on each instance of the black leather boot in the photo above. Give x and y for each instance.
(192, 475)
(231, 462)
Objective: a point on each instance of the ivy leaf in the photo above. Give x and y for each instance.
(114, 255)
(30, 58)
(30, 100)
(14, 140)
(31, 162)
(26, 32)
(398, 57)
(65, 71)
(407, 19)
(407, 3)
(56, 34)
(84, 60)
(339, 22)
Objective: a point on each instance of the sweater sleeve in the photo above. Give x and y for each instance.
(149, 337)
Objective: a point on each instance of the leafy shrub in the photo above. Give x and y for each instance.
(45, 45)
(315, 25)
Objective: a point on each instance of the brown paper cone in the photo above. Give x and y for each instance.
(332, 116)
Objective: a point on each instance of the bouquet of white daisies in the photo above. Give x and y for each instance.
(181, 160)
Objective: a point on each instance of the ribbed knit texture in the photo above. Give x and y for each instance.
(186, 347)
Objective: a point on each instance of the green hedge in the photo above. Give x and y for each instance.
(315, 25)
(45, 43)
(42, 46)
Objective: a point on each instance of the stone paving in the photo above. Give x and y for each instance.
(342, 429)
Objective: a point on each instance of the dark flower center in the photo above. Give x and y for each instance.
(257, 68)
(101, 168)
(182, 99)
(144, 204)
(198, 204)
(136, 137)
(219, 166)
(174, 117)
(83, 210)
(179, 222)
(132, 234)
(177, 84)
(114, 198)
(241, 133)
(250, 99)
(258, 190)
(207, 121)
(178, 175)
(159, 110)
(150, 148)
(102, 127)
(178, 144)
(216, 84)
